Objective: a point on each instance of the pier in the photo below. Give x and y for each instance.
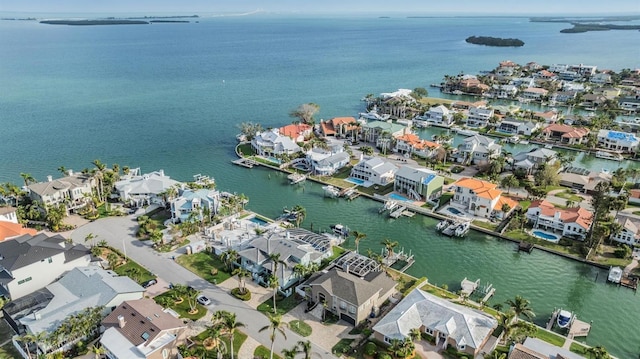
(397, 212)
(525, 246)
(399, 258)
(245, 162)
(296, 178)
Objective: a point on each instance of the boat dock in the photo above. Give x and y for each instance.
(397, 212)
(245, 162)
(629, 282)
(468, 287)
(451, 229)
(389, 205)
(399, 257)
(296, 178)
(525, 247)
(578, 327)
(349, 193)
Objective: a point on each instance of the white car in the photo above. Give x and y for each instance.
(203, 300)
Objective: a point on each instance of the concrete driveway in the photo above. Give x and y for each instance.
(119, 232)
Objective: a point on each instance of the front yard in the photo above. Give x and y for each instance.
(283, 305)
(202, 263)
(182, 308)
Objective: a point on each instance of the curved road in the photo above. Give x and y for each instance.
(119, 232)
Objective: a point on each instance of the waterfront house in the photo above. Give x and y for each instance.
(142, 329)
(533, 93)
(522, 82)
(593, 100)
(601, 78)
(558, 67)
(573, 86)
(534, 348)
(532, 66)
(295, 246)
(571, 222)
(463, 328)
(375, 170)
(530, 161)
(419, 183)
(399, 104)
(439, 116)
(465, 105)
(630, 232)
(327, 162)
(371, 131)
(8, 214)
(411, 144)
(610, 93)
(584, 70)
(582, 179)
(565, 134)
(298, 132)
(480, 198)
(74, 190)
(547, 117)
(149, 188)
(568, 75)
(195, 205)
(518, 127)
(545, 75)
(340, 127)
(478, 149)
(354, 291)
(271, 143)
(80, 288)
(503, 91)
(30, 262)
(478, 117)
(630, 103)
(618, 141)
(563, 96)
(471, 85)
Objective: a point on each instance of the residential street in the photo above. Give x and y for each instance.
(119, 232)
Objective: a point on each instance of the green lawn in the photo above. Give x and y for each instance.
(337, 252)
(549, 337)
(429, 288)
(263, 352)
(238, 339)
(578, 348)
(300, 327)
(486, 225)
(613, 261)
(127, 269)
(245, 149)
(342, 346)
(570, 196)
(282, 306)
(201, 264)
(572, 249)
(182, 308)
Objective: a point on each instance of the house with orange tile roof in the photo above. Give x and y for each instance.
(571, 222)
(410, 143)
(480, 198)
(340, 127)
(298, 132)
(565, 134)
(545, 75)
(10, 230)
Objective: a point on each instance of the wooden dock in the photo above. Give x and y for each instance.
(579, 329)
(397, 212)
(629, 282)
(296, 178)
(245, 162)
(525, 246)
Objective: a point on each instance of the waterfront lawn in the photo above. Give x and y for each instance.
(181, 308)
(564, 246)
(578, 348)
(283, 305)
(135, 271)
(377, 189)
(550, 337)
(431, 101)
(238, 339)
(245, 149)
(444, 199)
(524, 204)
(486, 225)
(264, 352)
(201, 264)
(437, 291)
(300, 327)
(337, 252)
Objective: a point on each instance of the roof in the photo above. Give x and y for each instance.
(385, 126)
(7, 209)
(419, 308)
(51, 187)
(142, 316)
(537, 90)
(294, 130)
(549, 350)
(566, 130)
(505, 200)
(618, 136)
(416, 142)
(28, 249)
(329, 127)
(577, 215)
(481, 188)
(521, 352)
(416, 174)
(10, 230)
(629, 223)
(155, 182)
(353, 289)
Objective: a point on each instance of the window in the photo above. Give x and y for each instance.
(461, 347)
(165, 353)
(343, 305)
(428, 331)
(50, 260)
(387, 340)
(145, 335)
(352, 309)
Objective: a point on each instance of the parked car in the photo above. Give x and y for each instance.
(149, 283)
(203, 300)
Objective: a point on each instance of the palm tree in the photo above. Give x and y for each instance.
(97, 351)
(27, 339)
(521, 306)
(100, 167)
(229, 324)
(89, 238)
(134, 273)
(192, 299)
(275, 259)
(305, 348)
(389, 245)
(275, 325)
(228, 258)
(274, 283)
(509, 181)
(290, 353)
(299, 271)
(300, 212)
(598, 352)
(63, 170)
(27, 178)
(415, 334)
(241, 273)
(96, 251)
(358, 237)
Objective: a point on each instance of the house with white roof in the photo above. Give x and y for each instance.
(73, 190)
(531, 160)
(142, 329)
(149, 188)
(518, 127)
(618, 141)
(375, 170)
(418, 182)
(327, 162)
(480, 198)
(463, 328)
(272, 143)
(478, 149)
(30, 262)
(570, 222)
(200, 202)
(8, 214)
(439, 116)
(558, 67)
(582, 179)
(533, 93)
(478, 117)
(630, 233)
(503, 91)
(371, 131)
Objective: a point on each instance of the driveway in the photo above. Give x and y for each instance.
(119, 232)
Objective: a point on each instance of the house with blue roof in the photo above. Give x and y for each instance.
(419, 183)
(618, 141)
(200, 202)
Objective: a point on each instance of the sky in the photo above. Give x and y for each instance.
(406, 7)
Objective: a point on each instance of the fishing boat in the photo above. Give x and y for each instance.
(565, 318)
(615, 275)
(462, 229)
(614, 156)
(340, 230)
(331, 191)
(443, 224)
(514, 139)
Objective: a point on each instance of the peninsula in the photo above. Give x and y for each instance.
(94, 22)
(494, 41)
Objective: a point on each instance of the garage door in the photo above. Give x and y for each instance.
(347, 319)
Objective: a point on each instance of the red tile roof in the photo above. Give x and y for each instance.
(577, 215)
(481, 188)
(416, 142)
(10, 230)
(330, 127)
(566, 130)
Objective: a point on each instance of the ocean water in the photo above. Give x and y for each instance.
(171, 96)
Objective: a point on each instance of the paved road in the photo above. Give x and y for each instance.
(119, 233)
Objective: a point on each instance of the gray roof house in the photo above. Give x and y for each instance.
(272, 143)
(530, 161)
(478, 149)
(194, 201)
(29, 263)
(375, 170)
(145, 189)
(326, 163)
(419, 183)
(463, 328)
(70, 190)
(518, 127)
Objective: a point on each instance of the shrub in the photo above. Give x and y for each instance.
(383, 355)
(242, 296)
(622, 252)
(370, 349)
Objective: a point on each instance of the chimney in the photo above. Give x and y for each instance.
(37, 316)
(121, 321)
(161, 173)
(70, 172)
(49, 178)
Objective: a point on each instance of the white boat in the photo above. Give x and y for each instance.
(614, 156)
(331, 191)
(465, 132)
(514, 139)
(615, 275)
(462, 229)
(548, 146)
(565, 318)
(241, 137)
(420, 123)
(524, 142)
(438, 140)
(373, 115)
(443, 224)
(295, 178)
(340, 230)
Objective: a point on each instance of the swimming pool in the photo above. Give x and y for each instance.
(273, 159)
(259, 221)
(357, 181)
(398, 197)
(455, 211)
(546, 236)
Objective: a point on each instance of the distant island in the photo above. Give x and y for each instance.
(590, 24)
(580, 27)
(494, 41)
(94, 22)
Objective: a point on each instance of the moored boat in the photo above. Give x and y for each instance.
(331, 191)
(614, 156)
(462, 229)
(340, 230)
(615, 275)
(565, 318)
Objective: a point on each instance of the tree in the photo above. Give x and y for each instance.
(598, 352)
(242, 274)
(63, 170)
(90, 238)
(55, 215)
(509, 181)
(134, 273)
(229, 325)
(512, 328)
(27, 178)
(389, 245)
(192, 299)
(113, 260)
(228, 258)
(97, 351)
(419, 92)
(305, 112)
(521, 306)
(415, 334)
(300, 213)
(27, 339)
(96, 251)
(273, 282)
(305, 348)
(275, 325)
(359, 236)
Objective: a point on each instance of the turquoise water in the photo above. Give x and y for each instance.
(547, 236)
(259, 221)
(398, 197)
(357, 181)
(171, 96)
